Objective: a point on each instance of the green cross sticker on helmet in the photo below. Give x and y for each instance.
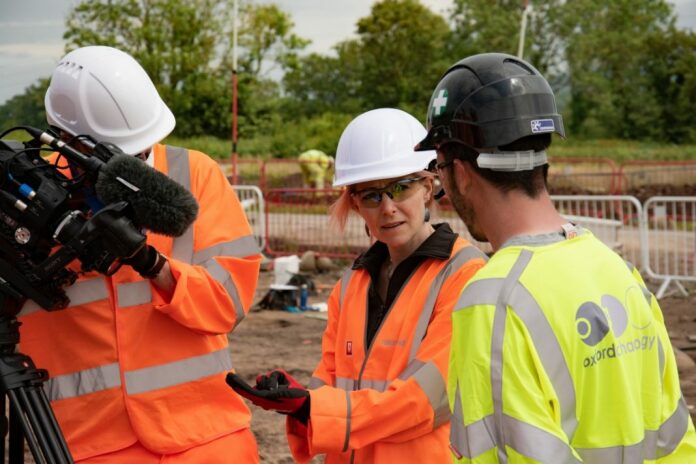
(440, 102)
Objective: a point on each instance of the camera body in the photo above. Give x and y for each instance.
(49, 219)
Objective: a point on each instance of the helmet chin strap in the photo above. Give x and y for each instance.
(511, 161)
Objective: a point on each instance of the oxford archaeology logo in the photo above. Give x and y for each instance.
(593, 322)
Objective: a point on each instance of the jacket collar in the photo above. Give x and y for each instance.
(438, 246)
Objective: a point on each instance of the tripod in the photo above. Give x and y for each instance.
(30, 412)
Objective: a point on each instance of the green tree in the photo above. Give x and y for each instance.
(174, 40)
(607, 49)
(403, 46)
(318, 83)
(482, 26)
(26, 109)
(267, 39)
(396, 60)
(671, 69)
(185, 47)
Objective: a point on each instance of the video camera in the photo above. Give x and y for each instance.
(48, 219)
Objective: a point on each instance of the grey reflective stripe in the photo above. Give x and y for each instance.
(655, 445)
(345, 383)
(661, 358)
(178, 170)
(178, 372)
(429, 379)
(221, 275)
(647, 294)
(315, 382)
(477, 438)
(462, 257)
(134, 293)
(497, 339)
(549, 350)
(538, 444)
(377, 385)
(672, 431)
(547, 346)
(344, 286)
(349, 412)
(239, 248)
(79, 293)
(473, 439)
(83, 382)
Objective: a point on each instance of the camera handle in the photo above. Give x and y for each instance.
(31, 415)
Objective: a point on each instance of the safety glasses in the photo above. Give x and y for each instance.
(398, 191)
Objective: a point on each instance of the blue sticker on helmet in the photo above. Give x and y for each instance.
(543, 125)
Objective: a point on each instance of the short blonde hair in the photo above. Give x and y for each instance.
(342, 207)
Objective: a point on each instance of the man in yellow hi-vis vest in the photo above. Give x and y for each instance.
(559, 351)
(315, 166)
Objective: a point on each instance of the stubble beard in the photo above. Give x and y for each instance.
(467, 214)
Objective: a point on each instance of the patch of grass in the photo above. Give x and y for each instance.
(622, 150)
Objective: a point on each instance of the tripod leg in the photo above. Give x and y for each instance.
(16, 437)
(19, 428)
(53, 424)
(5, 426)
(46, 442)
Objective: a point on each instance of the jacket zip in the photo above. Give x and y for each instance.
(356, 386)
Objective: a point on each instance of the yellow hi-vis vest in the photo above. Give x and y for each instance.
(560, 355)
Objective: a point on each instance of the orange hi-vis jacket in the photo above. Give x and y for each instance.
(129, 364)
(387, 403)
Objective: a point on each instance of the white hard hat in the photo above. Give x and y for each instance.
(103, 92)
(380, 144)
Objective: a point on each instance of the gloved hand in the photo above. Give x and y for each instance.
(275, 390)
(147, 262)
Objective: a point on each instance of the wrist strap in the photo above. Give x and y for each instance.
(156, 268)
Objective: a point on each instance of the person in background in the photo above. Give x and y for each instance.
(559, 351)
(137, 361)
(315, 166)
(378, 393)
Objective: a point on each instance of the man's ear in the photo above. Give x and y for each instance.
(463, 175)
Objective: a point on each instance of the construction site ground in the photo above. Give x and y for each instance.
(268, 339)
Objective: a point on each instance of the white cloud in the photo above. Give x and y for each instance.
(58, 22)
(25, 51)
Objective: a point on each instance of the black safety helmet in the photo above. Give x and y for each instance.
(490, 100)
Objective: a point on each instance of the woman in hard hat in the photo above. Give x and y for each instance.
(379, 392)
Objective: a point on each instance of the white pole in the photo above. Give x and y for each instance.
(234, 37)
(234, 93)
(523, 28)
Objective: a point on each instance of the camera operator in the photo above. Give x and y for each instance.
(137, 361)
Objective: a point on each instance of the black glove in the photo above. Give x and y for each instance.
(274, 391)
(147, 262)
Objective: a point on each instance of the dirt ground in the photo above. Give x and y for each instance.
(268, 339)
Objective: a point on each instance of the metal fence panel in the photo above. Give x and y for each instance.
(671, 240)
(659, 239)
(614, 219)
(251, 198)
(297, 220)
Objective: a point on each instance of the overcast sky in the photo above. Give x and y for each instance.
(31, 31)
